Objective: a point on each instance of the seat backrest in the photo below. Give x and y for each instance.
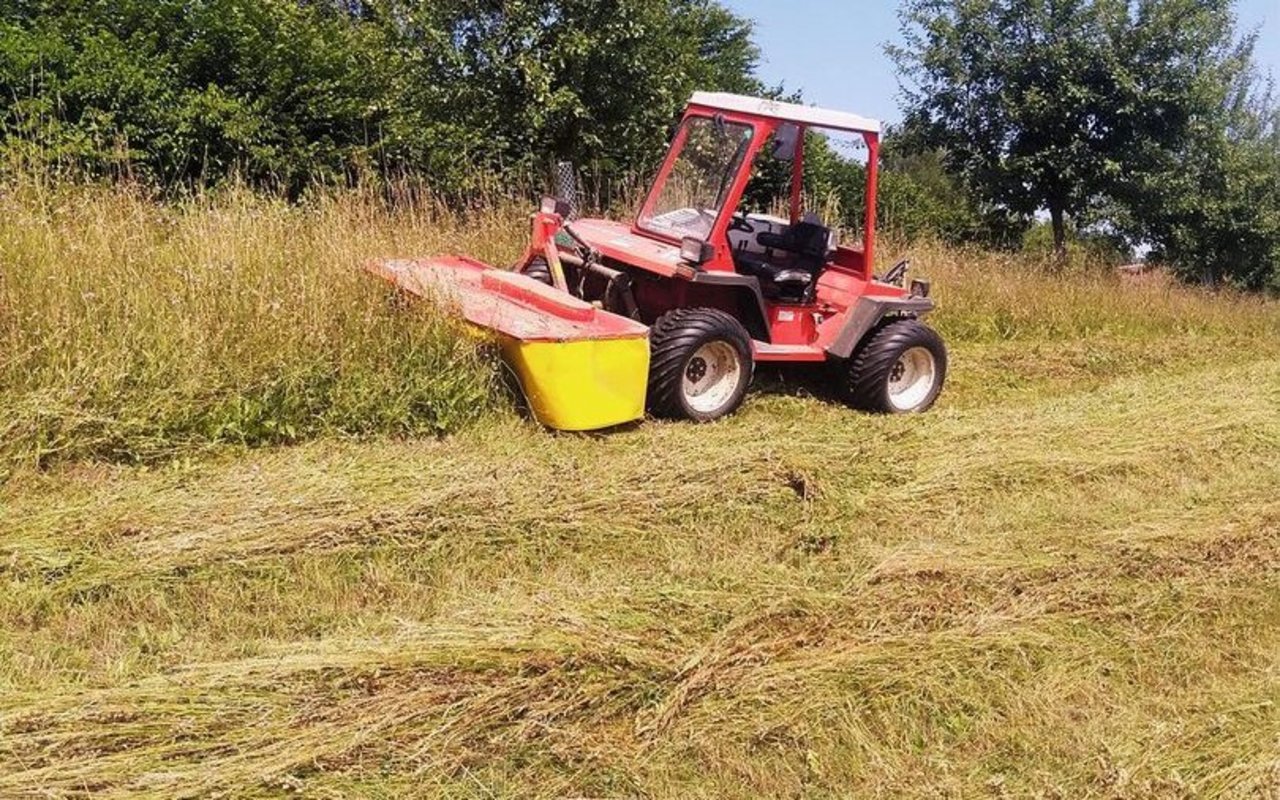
(810, 239)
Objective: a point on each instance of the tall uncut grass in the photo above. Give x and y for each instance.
(131, 329)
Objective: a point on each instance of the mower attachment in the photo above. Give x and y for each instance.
(580, 367)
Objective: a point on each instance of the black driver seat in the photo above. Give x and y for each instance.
(792, 275)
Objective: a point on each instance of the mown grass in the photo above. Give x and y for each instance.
(1063, 582)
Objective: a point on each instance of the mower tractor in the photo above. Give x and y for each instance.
(601, 320)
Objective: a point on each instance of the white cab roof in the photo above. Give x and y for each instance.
(792, 112)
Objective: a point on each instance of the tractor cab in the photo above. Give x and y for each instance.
(731, 192)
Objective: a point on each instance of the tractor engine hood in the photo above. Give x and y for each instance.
(618, 241)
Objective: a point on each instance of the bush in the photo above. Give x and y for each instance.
(1085, 249)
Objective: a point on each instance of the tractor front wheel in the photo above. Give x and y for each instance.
(898, 369)
(700, 365)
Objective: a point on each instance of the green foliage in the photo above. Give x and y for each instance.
(1086, 250)
(1216, 218)
(180, 90)
(1135, 113)
(287, 92)
(918, 197)
(598, 83)
(1014, 91)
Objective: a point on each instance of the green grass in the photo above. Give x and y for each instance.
(133, 331)
(1063, 582)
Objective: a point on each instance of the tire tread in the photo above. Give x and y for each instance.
(875, 357)
(671, 339)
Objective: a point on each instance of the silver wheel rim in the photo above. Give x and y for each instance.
(912, 379)
(711, 377)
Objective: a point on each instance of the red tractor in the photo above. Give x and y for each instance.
(671, 312)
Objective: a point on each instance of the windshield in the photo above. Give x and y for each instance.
(689, 201)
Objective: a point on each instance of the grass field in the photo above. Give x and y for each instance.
(1064, 581)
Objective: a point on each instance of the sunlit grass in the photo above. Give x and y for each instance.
(1063, 582)
(133, 330)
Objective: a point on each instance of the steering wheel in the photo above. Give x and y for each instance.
(739, 222)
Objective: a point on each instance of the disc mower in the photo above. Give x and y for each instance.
(670, 313)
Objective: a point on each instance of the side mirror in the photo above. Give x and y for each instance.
(696, 251)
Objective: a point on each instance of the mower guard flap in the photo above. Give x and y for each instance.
(580, 367)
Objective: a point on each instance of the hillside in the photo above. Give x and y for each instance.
(1064, 581)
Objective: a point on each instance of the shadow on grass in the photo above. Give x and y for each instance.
(805, 381)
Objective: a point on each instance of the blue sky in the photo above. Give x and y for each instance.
(833, 49)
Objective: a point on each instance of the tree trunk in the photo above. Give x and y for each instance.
(1059, 221)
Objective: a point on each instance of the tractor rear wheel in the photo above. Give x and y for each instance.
(700, 365)
(539, 271)
(898, 369)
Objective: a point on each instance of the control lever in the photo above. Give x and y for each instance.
(898, 275)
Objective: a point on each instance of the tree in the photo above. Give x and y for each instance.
(1214, 214)
(592, 81)
(1064, 105)
(184, 90)
(917, 196)
(286, 92)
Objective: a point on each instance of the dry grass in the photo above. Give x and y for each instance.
(1064, 582)
(134, 331)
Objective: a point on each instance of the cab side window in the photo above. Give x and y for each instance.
(769, 190)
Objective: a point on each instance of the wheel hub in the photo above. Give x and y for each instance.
(912, 379)
(712, 377)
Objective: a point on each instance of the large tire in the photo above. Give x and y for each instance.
(701, 365)
(898, 369)
(539, 271)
